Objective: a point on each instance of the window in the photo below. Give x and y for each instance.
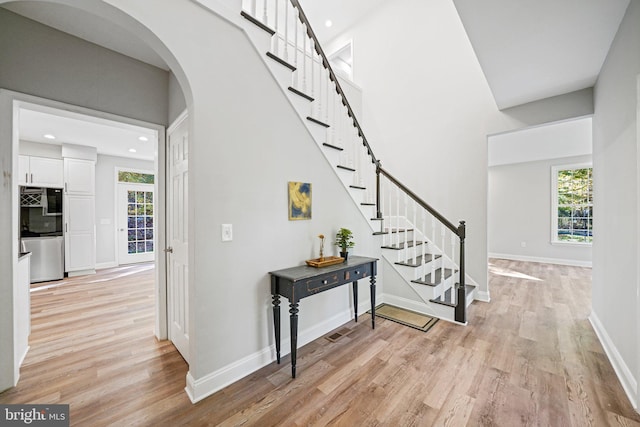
(136, 177)
(572, 212)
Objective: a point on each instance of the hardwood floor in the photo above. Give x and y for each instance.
(530, 357)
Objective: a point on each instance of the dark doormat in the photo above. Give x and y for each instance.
(405, 317)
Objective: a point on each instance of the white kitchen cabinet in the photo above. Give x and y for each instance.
(79, 176)
(80, 234)
(40, 172)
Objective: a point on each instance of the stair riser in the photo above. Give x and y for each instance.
(400, 255)
(413, 273)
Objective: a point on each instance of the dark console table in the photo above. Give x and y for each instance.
(300, 282)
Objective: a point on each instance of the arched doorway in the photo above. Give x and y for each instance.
(8, 145)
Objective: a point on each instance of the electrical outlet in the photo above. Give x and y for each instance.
(227, 232)
(523, 244)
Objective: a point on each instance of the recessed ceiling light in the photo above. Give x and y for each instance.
(132, 150)
(49, 136)
(328, 23)
(143, 138)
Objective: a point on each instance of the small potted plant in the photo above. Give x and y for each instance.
(344, 239)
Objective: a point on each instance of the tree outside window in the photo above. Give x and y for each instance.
(572, 216)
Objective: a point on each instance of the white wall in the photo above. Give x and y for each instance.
(246, 143)
(520, 211)
(106, 219)
(616, 193)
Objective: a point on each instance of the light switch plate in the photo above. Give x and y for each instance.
(227, 232)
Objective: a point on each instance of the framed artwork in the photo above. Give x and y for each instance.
(299, 201)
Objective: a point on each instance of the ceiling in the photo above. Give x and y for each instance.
(109, 137)
(528, 49)
(534, 49)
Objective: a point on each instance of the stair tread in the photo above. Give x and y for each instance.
(335, 147)
(401, 245)
(426, 280)
(316, 121)
(368, 204)
(256, 22)
(281, 61)
(395, 230)
(347, 168)
(300, 93)
(419, 261)
(446, 298)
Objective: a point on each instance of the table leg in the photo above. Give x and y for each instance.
(373, 301)
(276, 323)
(293, 310)
(355, 300)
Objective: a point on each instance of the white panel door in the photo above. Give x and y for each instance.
(80, 234)
(136, 231)
(177, 254)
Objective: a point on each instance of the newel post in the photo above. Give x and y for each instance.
(461, 307)
(378, 207)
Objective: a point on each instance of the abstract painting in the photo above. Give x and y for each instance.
(299, 201)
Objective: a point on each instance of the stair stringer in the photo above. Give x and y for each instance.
(284, 77)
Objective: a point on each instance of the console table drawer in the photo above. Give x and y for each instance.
(356, 273)
(326, 282)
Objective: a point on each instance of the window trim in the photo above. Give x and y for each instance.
(554, 202)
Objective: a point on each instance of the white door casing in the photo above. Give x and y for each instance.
(177, 237)
(136, 225)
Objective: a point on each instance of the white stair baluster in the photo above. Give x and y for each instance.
(453, 282)
(442, 254)
(304, 58)
(276, 38)
(433, 255)
(415, 226)
(286, 30)
(296, 29)
(397, 237)
(424, 240)
(264, 13)
(328, 81)
(406, 227)
(313, 66)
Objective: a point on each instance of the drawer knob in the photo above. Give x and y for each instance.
(324, 282)
(357, 271)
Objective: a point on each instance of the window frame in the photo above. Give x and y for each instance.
(554, 202)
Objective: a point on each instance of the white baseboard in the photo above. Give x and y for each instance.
(482, 296)
(629, 382)
(572, 262)
(109, 264)
(80, 273)
(198, 389)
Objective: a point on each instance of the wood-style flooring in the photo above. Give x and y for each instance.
(528, 358)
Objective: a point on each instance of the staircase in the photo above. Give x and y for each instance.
(425, 248)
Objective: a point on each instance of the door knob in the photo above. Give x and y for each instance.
(169, 250)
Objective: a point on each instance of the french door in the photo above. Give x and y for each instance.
(136, 228)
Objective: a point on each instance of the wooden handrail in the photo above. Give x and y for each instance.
(418, 200)
(334, 78)
(460, 230)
